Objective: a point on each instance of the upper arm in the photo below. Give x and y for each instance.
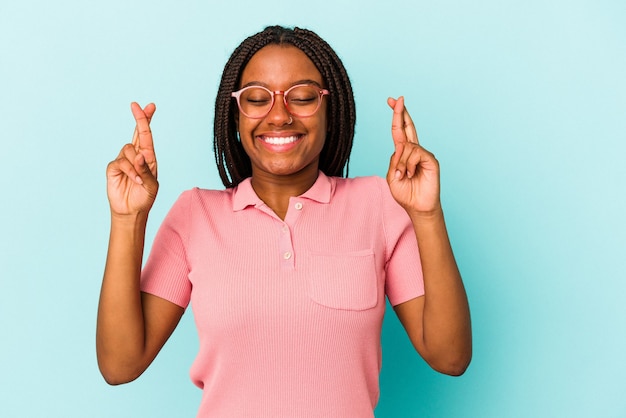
(410, 314)
(160, 319)
(443, 346)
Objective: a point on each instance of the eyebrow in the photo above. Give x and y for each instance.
(304, 81)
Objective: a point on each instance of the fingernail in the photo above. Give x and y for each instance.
(138, 180)
(398, 174)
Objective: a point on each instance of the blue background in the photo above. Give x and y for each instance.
(523, 103)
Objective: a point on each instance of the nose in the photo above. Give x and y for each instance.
(279, 115)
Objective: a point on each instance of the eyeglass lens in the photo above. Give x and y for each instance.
(256, 102)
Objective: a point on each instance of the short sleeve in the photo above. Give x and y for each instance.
(404, 278)
(166, 273)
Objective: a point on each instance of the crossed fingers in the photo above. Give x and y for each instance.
(142, 141)
(402, 127)
(142, 136)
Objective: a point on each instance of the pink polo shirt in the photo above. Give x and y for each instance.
(289, 313)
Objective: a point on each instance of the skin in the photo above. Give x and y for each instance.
(133, 326)
(281, 172)
(437, 323)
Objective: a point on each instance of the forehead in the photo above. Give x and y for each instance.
(279, 67)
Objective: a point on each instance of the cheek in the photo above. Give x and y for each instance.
(245, 130)
(246, 126)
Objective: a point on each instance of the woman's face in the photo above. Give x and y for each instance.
(275, 146)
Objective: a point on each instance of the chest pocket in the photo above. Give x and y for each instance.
(343, 280)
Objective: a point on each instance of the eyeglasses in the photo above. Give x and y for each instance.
(301, 100)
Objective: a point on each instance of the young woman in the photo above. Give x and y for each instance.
(286, 269)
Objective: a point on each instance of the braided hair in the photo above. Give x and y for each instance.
(232, 161)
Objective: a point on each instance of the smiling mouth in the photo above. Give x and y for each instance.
(280, 140)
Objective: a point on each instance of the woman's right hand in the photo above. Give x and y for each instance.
(132, 177)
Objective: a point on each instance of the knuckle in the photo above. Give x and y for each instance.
(144, 129)
(129, 151)
(124, 165)
(120, 159)
(128, 148)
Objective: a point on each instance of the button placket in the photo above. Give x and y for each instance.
(287, 252)
(286, 247)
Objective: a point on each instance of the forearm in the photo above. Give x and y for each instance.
(120, 335)
(446, 329)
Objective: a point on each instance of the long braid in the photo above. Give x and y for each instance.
(341, 134)
(232, 161)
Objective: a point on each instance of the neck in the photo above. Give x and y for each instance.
(275, 191)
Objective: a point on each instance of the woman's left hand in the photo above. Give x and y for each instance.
(413, 174)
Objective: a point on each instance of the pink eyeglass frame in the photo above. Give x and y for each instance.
(320, 91)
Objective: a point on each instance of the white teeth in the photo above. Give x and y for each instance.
(275, 140)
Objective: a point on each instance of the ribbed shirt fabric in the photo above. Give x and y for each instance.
(289, 313)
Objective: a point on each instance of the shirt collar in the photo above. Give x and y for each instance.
(244, 195)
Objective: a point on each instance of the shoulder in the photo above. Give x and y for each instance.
(195, 200)
(366, 187)
(356, 184)
(198, 195)
(371, 192)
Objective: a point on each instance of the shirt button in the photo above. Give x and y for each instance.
(287, 255)
(285, 229)
(298, 205)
